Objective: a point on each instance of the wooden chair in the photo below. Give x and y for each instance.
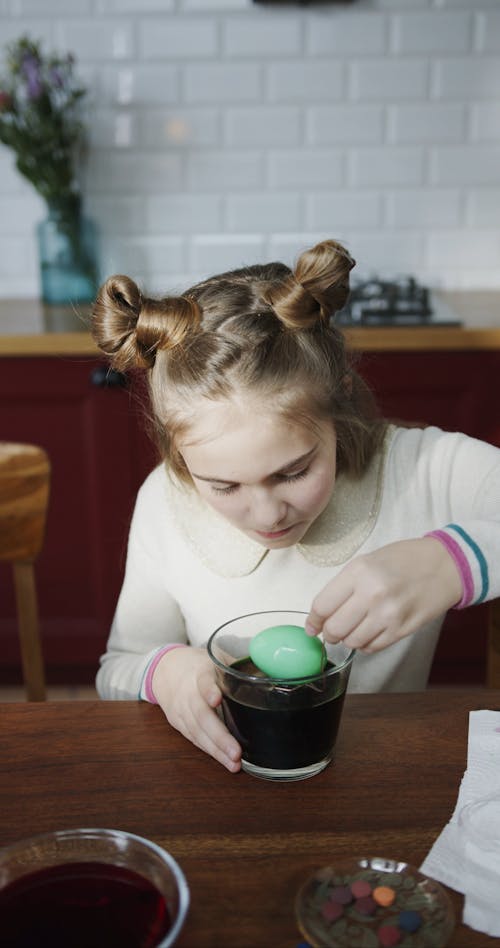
(24, 495)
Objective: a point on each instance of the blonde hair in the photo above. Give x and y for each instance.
(264, 329)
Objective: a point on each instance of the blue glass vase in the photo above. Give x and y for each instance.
(67, 247)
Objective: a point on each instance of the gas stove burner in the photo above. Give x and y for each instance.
(401, 302)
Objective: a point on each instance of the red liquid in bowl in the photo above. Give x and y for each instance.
(82, 905)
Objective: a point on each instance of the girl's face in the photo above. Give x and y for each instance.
(269, 478)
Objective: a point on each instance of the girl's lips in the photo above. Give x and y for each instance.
(275, 534)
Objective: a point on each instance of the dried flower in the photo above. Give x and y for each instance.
(40, 119)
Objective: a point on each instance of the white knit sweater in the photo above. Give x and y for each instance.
(188, 570)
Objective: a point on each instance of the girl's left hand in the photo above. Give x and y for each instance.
(380, 597)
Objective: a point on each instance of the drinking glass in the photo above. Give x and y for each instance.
(287, 728)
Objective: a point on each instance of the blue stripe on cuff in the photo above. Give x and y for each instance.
(483, 566)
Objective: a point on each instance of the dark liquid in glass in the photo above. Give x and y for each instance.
(82, 905)
(296, 728)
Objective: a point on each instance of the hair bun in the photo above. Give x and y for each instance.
(130, 328)
(324, 271)
(317, 288)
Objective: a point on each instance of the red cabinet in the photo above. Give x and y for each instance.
(100, 454)
(457, 391)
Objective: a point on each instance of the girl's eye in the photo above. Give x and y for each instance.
(295, 477)
(224, 490)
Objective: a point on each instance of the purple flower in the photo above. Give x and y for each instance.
(30, 68)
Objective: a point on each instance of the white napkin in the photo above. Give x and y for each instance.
(457, 862)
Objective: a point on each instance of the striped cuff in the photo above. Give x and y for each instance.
(148, 678)
(469, 560)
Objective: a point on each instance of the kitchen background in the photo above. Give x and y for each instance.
(223, 132)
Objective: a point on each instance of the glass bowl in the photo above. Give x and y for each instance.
(90, 887)
(331, 915)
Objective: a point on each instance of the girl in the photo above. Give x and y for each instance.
(281, 488)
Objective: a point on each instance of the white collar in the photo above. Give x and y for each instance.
(333, 538)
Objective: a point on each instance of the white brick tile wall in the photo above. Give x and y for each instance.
(20, 214)
(53, 7)
(110, 129)
(11, 29)
(223, 132)
(136, 255)
(469, 4)
(489, 31)
(345, 35)
(468, 164)
(181, 128)
(12, 250)
(426, 123)
(119, 214)
(273, 36)
(140, 172)
(397, 252)
(306, 82)
(485, 122)
(483, 208)
(305, 168)
(449, 249)
(222, 82)
(262, 126)
(174, 38)
(472, 78)
(329, 211)
(222, 170)
(391, 166)
(218, 5)
(219, 252)
(184, 214)
(94, 39)
(263, 211)
(388, 79)
(348, 124)
(424, 207)
(432, 32)
(134, 6)
(139, 85)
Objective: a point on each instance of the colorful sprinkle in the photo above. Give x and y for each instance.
(384, 895)
(341, 894)
(365, 905)
(409, 920)
(389, 935)
(331, 911)
(360, 888)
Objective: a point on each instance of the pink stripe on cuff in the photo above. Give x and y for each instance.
(148, 682)
(462, 564)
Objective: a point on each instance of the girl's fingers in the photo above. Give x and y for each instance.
(345, 622)
(328, 601)
(202, 725)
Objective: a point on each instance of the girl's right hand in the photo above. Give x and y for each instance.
(184, 686)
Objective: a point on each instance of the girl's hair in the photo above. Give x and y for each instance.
(263, 330)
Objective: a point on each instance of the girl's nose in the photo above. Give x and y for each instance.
(268, 511)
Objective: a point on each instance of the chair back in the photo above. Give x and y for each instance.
(24, 497)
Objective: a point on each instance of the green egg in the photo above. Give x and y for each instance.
(286, 651)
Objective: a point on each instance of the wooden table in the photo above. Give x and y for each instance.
(244, 844)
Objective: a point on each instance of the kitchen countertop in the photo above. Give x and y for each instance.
(28, 328)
